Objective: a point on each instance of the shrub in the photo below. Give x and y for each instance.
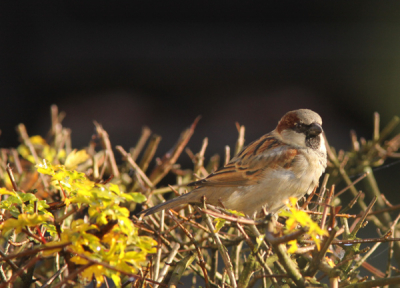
(72, 212)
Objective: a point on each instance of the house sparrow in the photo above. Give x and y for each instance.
(286, 162)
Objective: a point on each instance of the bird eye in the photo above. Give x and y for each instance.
(300, 127)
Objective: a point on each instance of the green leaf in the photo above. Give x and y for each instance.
(137, 197)
(27, 196)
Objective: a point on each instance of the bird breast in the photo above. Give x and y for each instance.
(277, 185)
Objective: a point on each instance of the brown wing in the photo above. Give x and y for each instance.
(246, 167)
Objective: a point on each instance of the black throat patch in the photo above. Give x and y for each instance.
(313, 142)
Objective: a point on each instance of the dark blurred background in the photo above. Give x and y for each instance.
(132, 63)
(127, 64)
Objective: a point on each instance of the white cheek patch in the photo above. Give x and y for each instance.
(322, 146)
(294, 138)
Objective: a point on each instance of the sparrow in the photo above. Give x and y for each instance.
(284, 163)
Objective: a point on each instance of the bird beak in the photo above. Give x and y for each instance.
(314, 130)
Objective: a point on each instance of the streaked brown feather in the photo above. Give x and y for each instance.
(245, 169)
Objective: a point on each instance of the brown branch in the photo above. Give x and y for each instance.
(12, 179)
(284, 259)
(146, 132)
(375, 283)
(17, 163)
(21, 271)
(199, 254)
(360, 223)
(351, 185)
(257, 254)
(35, 251)
(107, 146)
(149, 152)
(165, 165)
(169, 259)
(52, 278)
(134, 165)
(73, 275)
(337, 215)
(318, 255)
(368, 240)
(230, 218)
(308, 201)
(222, 249)
(25, 137)
(327, 202)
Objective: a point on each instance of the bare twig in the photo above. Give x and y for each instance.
(284, 258)
(318, 255)
(52, 278)
(134, 165)
(388, 129)
(149, 152)
(240, 141)
(227, 154)
(351, 185)
(360, 223)
(326, 207)
(179, 269)
(12, 179)
(165, 165)
(375, 283)
(146, 132)
(34, 251)
(16, 274)
(107, 146)
(222, 249)
(199, 254)
(169, 259)
(158, 255)
(243, 280)
(24, 135)
(17, 163)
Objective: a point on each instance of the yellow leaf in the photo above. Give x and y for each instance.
(219, 225)
(234, 212)
(49, 153)
(45, 168)
(293, 246)
(4, 191)
(37, 139)
(51, 252)
(297, 217)
(75, 158)
(259, 241)
(330, 261)
(23, 150)
(61, 154)
(79, 260)
(116, 279)
(24, 220)
(293, 201)
(97, 270)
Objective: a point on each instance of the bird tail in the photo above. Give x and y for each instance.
(166, 205)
